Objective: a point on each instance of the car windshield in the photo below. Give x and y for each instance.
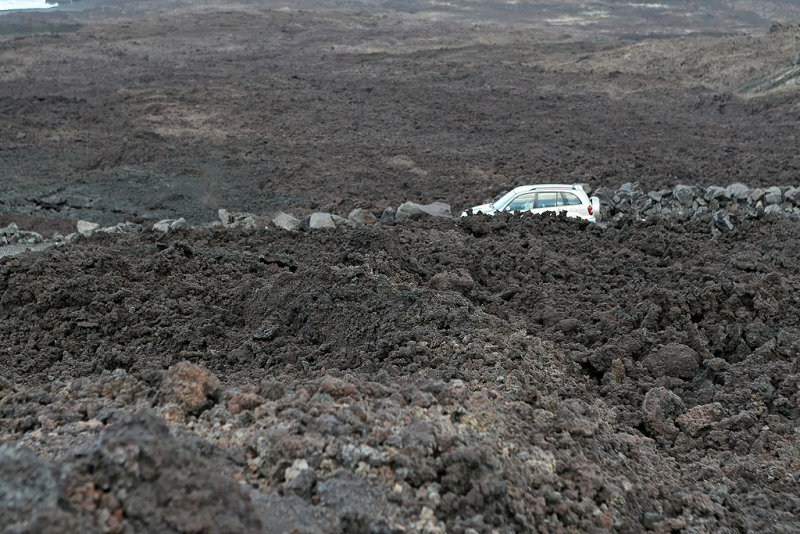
(503, 200)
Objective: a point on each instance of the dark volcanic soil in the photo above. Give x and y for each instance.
(524, 375)
(480, 375)
(114, 114)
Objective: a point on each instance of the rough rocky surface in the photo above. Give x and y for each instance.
(389, 378)
(398, 374)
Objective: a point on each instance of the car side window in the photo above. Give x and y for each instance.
(525, 201)
(547, 200)
(570, 199)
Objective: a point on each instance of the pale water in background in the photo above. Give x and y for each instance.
(24, 4)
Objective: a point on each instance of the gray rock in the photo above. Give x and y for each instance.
(773, 195)
(629, 189)
(86, 228)
(773, 209)
(338, 221)
(225, 217)
(359, 216)
(180, 223)
(697, 419)
(121, 228)
(388, 215)
(722, 221)
(684, 194)
(673, 359)
(319, 220)
(163, 226)
(11, 229)
(793, 195)
(715, 192)
(412, 209)
(286, 221)
(738, 191)
(756, 195)
(655, 196)
(27, 487)
(659, 410)
(29, 238)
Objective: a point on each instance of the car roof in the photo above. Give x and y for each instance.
(537, 187)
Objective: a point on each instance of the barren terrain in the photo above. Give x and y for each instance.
(410, 374)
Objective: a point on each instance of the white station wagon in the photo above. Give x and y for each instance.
(541, 198)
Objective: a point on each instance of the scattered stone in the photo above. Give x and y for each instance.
(412, 209)
(773, 209)
(163, 226)
(629, 189)
(121, 228)
(738, 191)
(715, 192)
(86, 228)
(180, 223)
(360, 216)
(773, 195)
(756, 195)
(699, 418)
(673, 359)
(459, 280)
(191, 386)
(225, 217)
(684, 194)
(319, 220)
(659, 409)
(241, 402)
(286, 221)
(10, 230)
(388, 215)
(722, 220)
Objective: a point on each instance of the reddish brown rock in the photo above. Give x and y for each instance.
(659, 409)
(190, 386)
(244, 401)
(699, 418)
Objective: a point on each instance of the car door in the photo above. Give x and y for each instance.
(523, 202)
(548, 201)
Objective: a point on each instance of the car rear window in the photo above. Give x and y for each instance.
(571, 199)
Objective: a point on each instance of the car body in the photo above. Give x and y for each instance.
(541, 198)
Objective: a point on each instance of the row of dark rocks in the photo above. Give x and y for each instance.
(737, 198)
(716, 203)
